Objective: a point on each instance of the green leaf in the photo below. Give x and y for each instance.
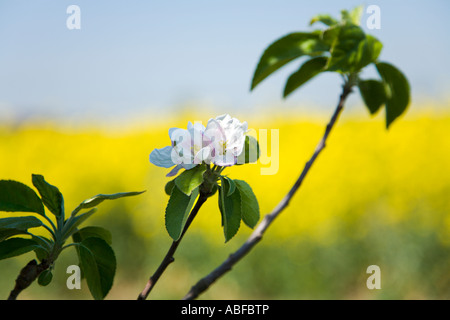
(8, 233)
(250, 152)
(214, 190)
(189, 180)
(345, 49)
(249, 204)
(231, 185)
(51, 196)
(398, 91)
(96, 200)
(17, 197)
(353, 16)
(307, 71)
(325, 19)
(373, 94)
(98, 262)
(351, 49)
(92, 231)
(169, 186)
(21, 223)
(330, 34)
(17, 225)
(44, 247)
(177, 211)
(230, 208)
(71, 224)
(15, 247)
(285, 50)
(45, 278)
(368, 52)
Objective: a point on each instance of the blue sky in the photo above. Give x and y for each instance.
(136, 56)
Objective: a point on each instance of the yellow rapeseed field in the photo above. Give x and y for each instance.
(367, 180)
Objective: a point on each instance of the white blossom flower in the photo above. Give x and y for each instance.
(188, 149)
(220, 143)
(228, 138)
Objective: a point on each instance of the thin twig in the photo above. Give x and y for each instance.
(203, 284)
(27, 275)
(168, 259)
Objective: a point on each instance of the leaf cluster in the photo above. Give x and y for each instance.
(93, 244)
(341, 47)
(237, 202)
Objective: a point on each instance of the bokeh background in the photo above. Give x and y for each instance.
(86, 107)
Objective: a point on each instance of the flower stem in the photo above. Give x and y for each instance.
(203, 284)
(168, 259)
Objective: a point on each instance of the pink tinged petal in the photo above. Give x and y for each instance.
(174, 171)
(162, 157)
(223, 117)
(182, 146)
(177, 168)
(225, 160)
(216, 135)
(206, 140)
(175, 156)
(236, 146)
(196, 140)
(171, 131)
(187, 159)
(179, 136)
(204, 155)
(214, 129)
(199, 127)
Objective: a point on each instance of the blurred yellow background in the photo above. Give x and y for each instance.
(372, 197)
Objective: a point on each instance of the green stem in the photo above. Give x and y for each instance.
(51, 222)
(168, 259)
(256, 236)
(70, 245)
(51, 231)
(47, 242)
